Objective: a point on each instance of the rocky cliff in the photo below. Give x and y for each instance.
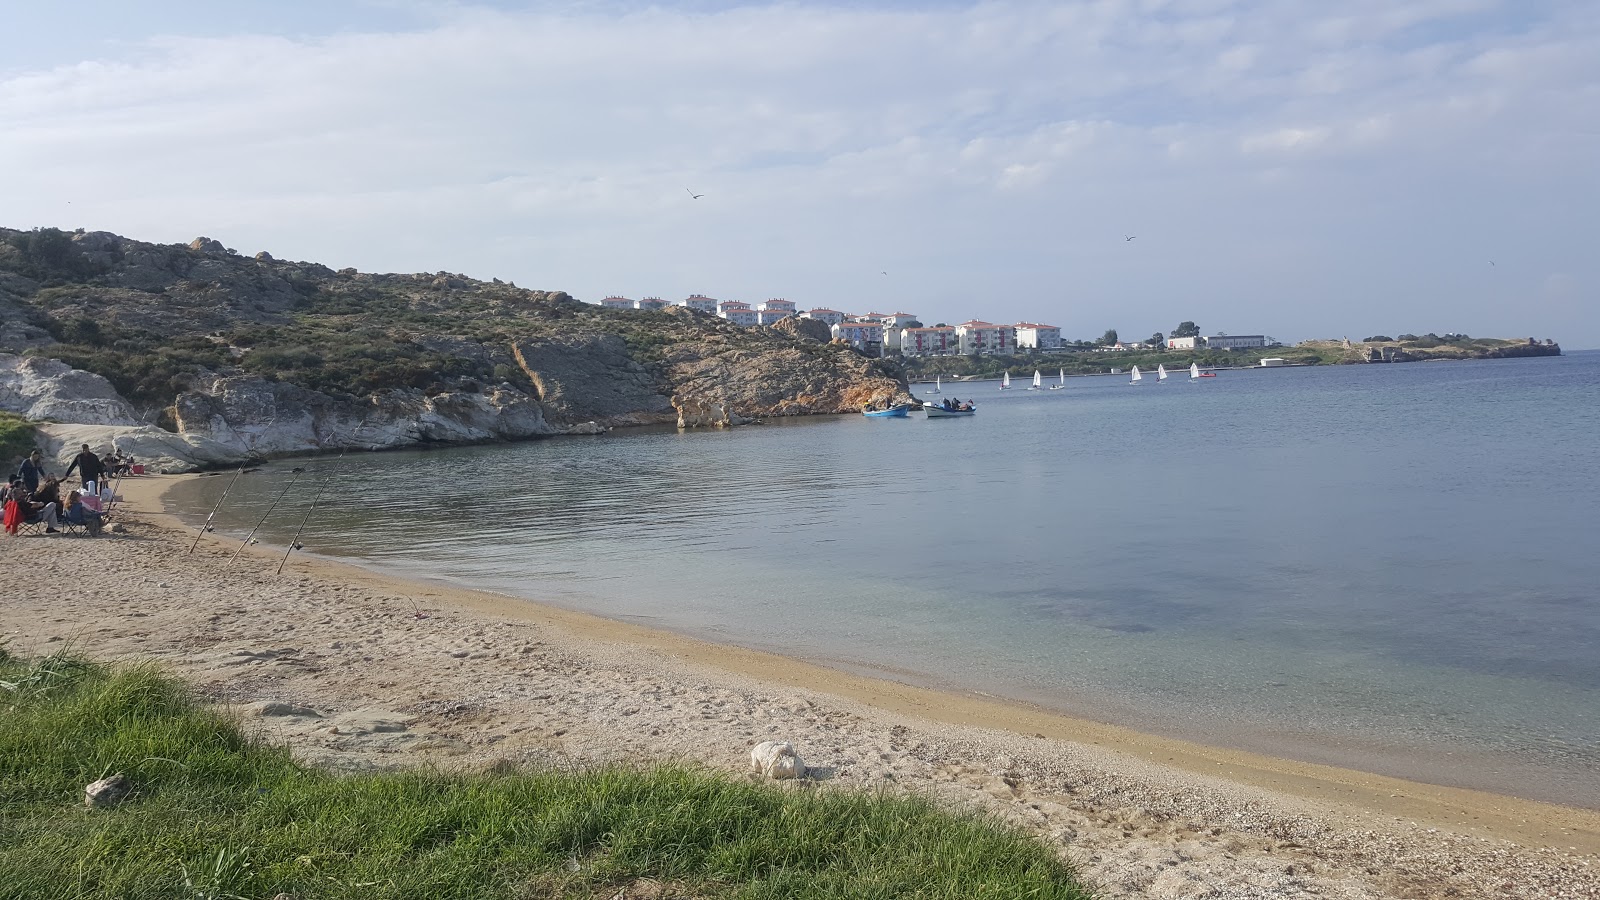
(209, 357)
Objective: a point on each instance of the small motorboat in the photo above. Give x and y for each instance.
(899, 411)
(935, 411)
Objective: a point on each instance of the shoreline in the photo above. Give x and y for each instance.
(1136, 810)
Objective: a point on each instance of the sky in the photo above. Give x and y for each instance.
(1287, 167)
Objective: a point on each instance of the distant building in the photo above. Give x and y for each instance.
(700, 302)
(780, 305)
(977, 337)
(766, 316)
(1033, 336)
(1273, 362)
(738, 312)
(1128, 345)
(929, 342)
(617, 303)
(650, 304)
(1183, 343)
(1237, 341)
(831, 316)
(863, 335)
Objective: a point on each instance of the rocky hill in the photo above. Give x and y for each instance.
(232, 356)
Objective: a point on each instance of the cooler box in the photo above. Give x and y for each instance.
(89, 501)
(138, 468)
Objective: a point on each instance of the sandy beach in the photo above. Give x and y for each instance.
(356, 669)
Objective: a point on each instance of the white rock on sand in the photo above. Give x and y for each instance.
(360, 670)
(776, 760)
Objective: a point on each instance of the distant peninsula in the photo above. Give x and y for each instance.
(1079, 360)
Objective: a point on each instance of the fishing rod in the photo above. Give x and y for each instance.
(297, 473)
(207, 527)
(314, 501)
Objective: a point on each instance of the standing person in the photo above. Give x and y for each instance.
(89, 466)
(32, 470)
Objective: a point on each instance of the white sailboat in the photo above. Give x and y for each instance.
(1136, 376)
(938, 384)
(1057, 387)
(1005, 381)
(1037, 381)
(1161, 373)
(1194, 371)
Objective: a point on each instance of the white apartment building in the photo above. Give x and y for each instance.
(700, 302)
(862, 335)
(1183, 343)
(741, 314)
(778, 304)
(929, 342)
(978, 337)
(830, 316)
(1221, 341)
(894, 319)
(1033, 336)
(617, 303)
(767, 316)
(651, 304)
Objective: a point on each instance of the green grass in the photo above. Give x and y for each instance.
(16, 439)
(217, 815)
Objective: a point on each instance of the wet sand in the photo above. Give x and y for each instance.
(355, 669)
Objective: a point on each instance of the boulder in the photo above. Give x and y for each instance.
(807, 329)
(776, 759)
(694, 412)
(106, 792)
(160, 452)
(50, 390)
(207, 245)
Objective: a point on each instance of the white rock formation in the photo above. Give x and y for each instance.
(160, 452)
(50, 390)
(776, 759)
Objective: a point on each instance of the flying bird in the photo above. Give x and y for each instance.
(1130, 237)
(693, 195)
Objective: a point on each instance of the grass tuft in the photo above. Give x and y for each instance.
(215, 815)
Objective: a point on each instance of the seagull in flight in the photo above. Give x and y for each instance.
(693, 195)
(1130, 237)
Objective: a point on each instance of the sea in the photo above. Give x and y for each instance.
(1392, 568)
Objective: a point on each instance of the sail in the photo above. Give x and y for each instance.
(1063, 377)
(938, 384)
(1037, 380)
(1136, 376)
(1194, 370)
(1161, 372)
(1005, 381)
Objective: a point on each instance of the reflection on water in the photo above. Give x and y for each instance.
(1376, 566)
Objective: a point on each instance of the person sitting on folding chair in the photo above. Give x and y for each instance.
(78, 514)
(23, 511)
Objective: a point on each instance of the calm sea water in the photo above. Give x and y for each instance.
(1388, 567)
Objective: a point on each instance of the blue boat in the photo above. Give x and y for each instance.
(898, 411)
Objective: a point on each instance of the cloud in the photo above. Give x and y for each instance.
(984, 149)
